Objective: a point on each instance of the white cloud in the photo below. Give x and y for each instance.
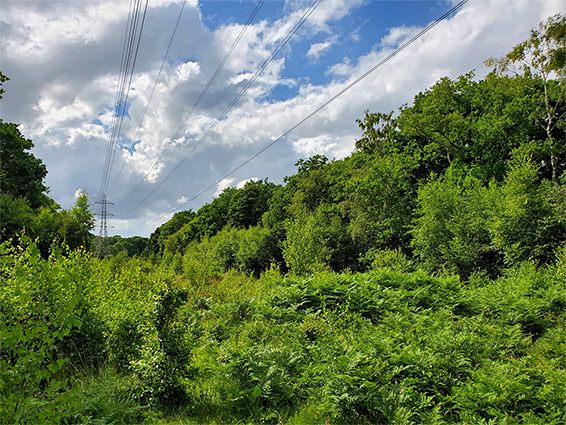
(63, 59)
(398, 36)
(242, 183)
(225, 183)
(318, 49)
(37, 29)
(309, 146)
(330, 11)
(355, 35)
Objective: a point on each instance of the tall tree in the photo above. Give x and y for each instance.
(80, 223)
(377, 130)
(249, 203)
(544, 55)
(442, 118)
(21, 173)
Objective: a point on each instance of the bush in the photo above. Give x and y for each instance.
(40, 318)
(162, 366)
(124, 344)
(452, 229)
(531, 220)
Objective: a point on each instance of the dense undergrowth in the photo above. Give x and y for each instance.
(422, 279)
(121, 341)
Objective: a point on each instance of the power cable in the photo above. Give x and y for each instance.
(154, 86)
(282, 43)
(124, 102)
(123, 61)
(200, 97)
(124, 85)
(318, 109)
(129, 56)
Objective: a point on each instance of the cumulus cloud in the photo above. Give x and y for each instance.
(63, 60)
(242, 183)
(318, 49)
(224, 184)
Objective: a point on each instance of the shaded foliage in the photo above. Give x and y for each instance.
(21, 173)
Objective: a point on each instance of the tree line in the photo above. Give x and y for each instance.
(418, 280)
(469, 178)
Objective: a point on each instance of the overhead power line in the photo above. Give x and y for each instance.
(154, 85)
(200, 97)
(222, 115)
(315, 111)
(134, 39)
(134, 28)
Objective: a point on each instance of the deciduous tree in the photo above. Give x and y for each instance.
(543, 55)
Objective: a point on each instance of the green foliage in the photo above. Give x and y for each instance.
(121, 292)
(452, 229)
(442, 117)
(162, 366)
(21, 173)
(380, 203)
(387, 346)
(388, 258)
(238, 208)
(466, 227)
(156, 242)
(380, 347)
(479, 123)
(124, 344)
(378, 131)
(529, 222)
(465, 132)
(3, 79)
(313, 163)
(304, 248)
(464, 182)
(200, 264)
(250, 250)
(504, 122)
(542, 56)
(122, 289)
(310, 186)
(257, 251)
(521, 385)
(249, 203)
(68, 227)
(80, 223)
(26, 209)
(42, 311)
(133, 247)
(103, 398)
(544, 52)
(15, 216)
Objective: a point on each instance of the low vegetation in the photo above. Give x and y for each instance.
(422, 279)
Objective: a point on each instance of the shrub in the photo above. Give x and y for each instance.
(162, 366)
(40, 315)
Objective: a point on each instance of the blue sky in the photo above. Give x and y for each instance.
(354, 35)
(63, 58)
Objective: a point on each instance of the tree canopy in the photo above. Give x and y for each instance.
(465, 179)
(25, 207)
(21, 173)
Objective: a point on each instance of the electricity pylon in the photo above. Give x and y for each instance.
(103, 234)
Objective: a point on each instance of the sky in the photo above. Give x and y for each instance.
(63, 60)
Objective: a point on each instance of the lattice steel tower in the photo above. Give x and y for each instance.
(103, 234)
